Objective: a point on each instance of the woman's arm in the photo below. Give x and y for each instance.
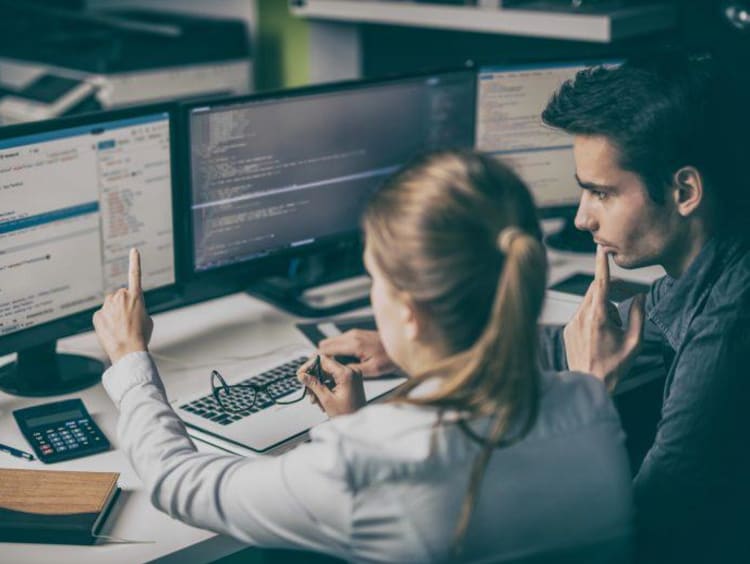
(299, 500)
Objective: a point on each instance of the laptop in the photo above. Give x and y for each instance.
(267, 411)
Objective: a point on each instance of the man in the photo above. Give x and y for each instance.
(659, 146)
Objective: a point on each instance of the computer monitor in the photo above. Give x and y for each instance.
(285, 174)
(510, 102)
(77, 194)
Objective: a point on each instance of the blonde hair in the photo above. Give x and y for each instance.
(458, 233)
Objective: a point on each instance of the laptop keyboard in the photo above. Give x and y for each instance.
(241, 398)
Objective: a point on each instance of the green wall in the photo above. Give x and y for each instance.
(282, 55)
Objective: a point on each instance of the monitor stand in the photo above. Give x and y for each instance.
(42, 371)
(324, 300)
(571, 239)
(327, 283)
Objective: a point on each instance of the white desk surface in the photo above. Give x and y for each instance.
(187, 343)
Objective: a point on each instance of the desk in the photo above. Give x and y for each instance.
(186, 344)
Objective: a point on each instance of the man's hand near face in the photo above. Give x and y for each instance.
(595, 341)
(122, 324)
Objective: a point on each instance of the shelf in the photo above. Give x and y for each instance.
(536, 19)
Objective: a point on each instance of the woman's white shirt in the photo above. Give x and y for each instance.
(386, 483)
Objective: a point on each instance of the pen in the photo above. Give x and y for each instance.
(318, 373)
(15, 452)
(317, 369)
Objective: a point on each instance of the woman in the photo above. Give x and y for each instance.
(480, 457)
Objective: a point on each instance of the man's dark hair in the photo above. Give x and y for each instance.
(662, 113)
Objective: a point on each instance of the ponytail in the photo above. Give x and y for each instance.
(497, 375)
(507, 348)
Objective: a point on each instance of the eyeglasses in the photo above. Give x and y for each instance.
(237, 398)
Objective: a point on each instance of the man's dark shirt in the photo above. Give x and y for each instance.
(692, 491)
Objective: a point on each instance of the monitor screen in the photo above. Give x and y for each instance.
(75, 199)
(291, 170)
(510, 103)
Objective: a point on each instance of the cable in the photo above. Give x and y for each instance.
(216, 361)
(223, 359)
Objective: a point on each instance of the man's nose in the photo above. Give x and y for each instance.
(585, 220)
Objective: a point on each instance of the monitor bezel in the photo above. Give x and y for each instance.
(239, 274)
(81, 322)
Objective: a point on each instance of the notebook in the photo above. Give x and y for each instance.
(53, 506)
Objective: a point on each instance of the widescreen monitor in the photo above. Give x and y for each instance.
(287, 173)
(77, 194)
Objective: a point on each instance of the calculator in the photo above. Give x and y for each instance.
(60, 430)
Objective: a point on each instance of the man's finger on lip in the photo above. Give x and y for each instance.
(601, 272)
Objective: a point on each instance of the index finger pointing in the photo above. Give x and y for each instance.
(134, 271)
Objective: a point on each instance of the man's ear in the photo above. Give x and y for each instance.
(688, 190)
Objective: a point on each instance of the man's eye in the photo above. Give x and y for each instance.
(599, 195)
